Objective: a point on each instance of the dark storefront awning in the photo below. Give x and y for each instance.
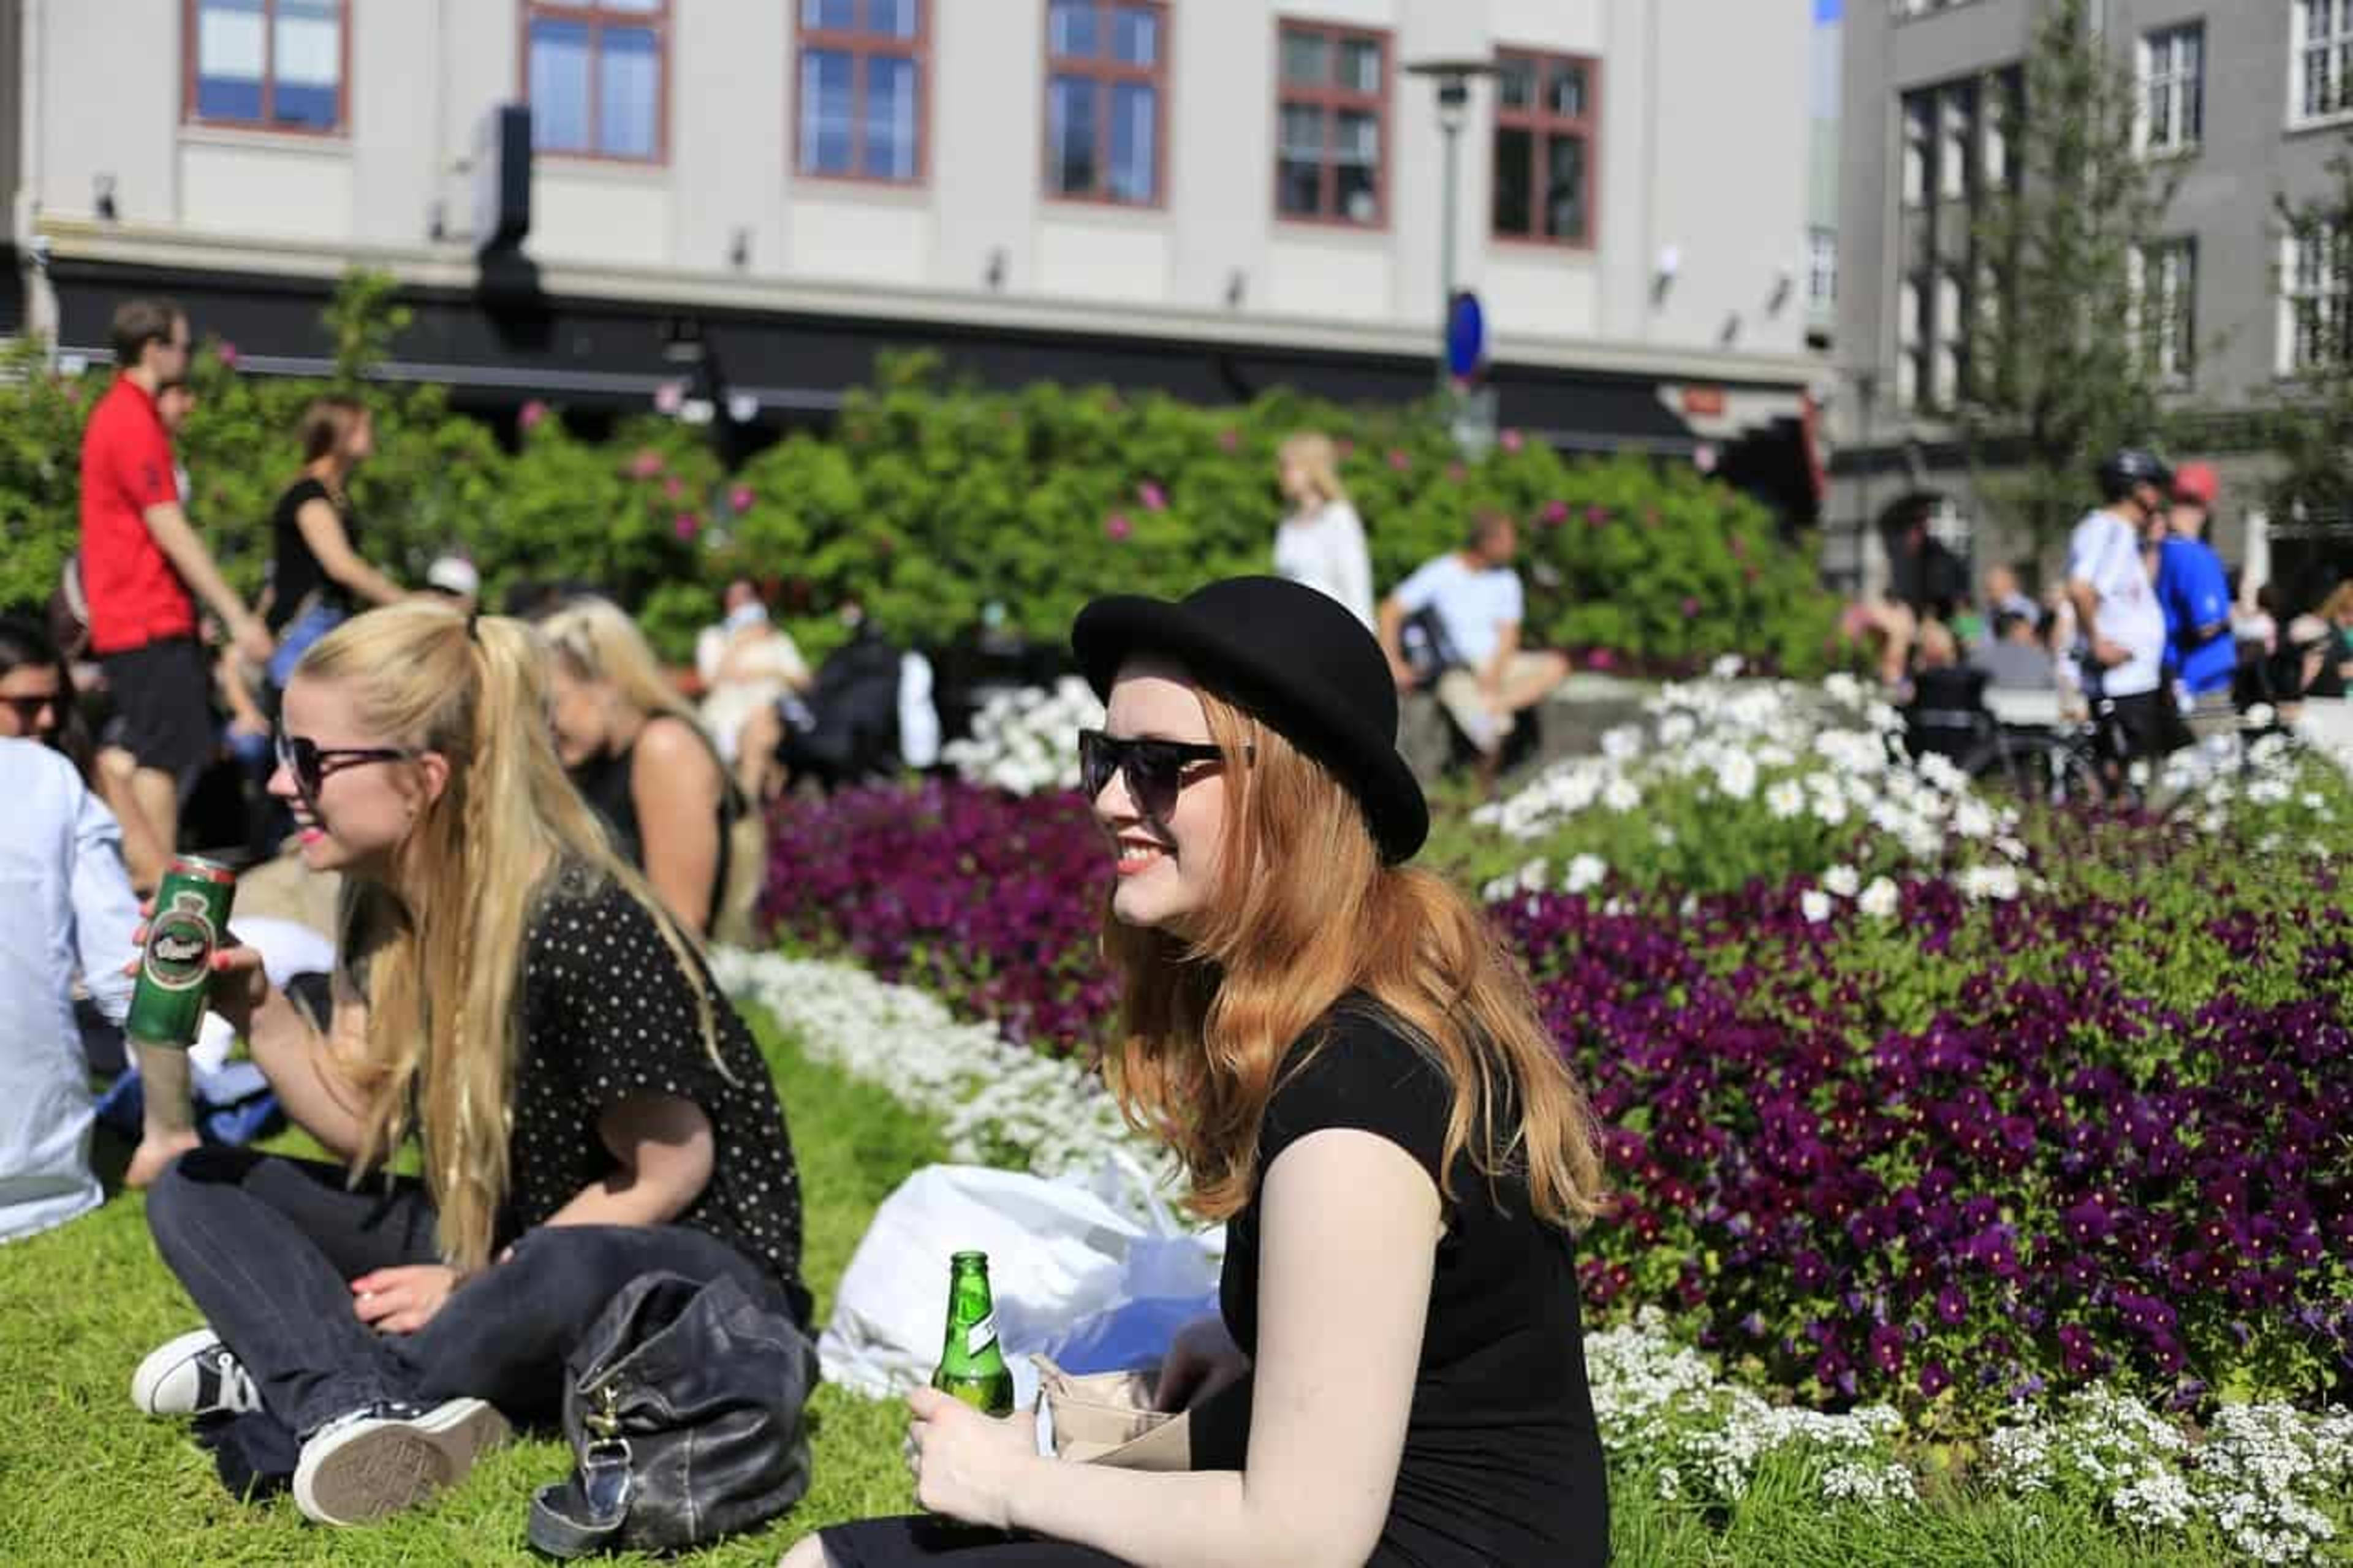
(597, 353)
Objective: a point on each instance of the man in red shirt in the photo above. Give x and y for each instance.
(140, 560)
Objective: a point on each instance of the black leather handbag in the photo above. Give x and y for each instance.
(683, 1407)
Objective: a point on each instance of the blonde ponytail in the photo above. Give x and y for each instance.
(443, 942)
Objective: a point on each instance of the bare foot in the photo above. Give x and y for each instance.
(147, 1162)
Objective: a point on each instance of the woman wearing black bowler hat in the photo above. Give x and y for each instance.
(1355, 1077)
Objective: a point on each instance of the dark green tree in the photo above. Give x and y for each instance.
(2062, 367)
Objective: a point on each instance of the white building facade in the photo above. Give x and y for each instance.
(1226, 176)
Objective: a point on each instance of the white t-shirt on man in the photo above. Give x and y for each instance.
(2105, 551)
(1475, 604)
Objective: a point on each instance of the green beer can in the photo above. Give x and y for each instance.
(175, 967)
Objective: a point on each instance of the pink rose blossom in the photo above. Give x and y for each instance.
(227, 354)
(1456, 473)
(1399, 460)
(1601, 658)
(1345, 448)
(741, 498)
(533, 412)
(1117, 526)
(1228, 440)
(1596, 516)
(1748, 574)
(1555, 512)
(1691, 609)
(686, 524)
(1511, 440)
(673, 487)
(1739, 548)
(645, 464)
(1153, 497)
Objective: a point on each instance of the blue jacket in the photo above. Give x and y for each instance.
(2195, 593)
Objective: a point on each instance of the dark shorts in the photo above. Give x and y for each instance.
(164, 706)
(2148, 724)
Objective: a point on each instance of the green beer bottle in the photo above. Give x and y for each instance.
(972, 1366)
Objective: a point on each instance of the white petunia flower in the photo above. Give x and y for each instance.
(1620, 794)
(1735, 776)
(1786, 799)
(1585, 871)
(1815, 905)
(1843, 880)
(1879, 899)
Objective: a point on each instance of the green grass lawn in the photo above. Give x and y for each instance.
(84, 1480)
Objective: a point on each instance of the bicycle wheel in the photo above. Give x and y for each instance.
(2036, 768)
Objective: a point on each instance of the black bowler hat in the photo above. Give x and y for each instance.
(1294, 657)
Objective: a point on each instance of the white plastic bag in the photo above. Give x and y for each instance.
(1062, 1258)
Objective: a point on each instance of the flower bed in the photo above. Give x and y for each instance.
(1916, 1101)
(2265, 1480)
(988, 899)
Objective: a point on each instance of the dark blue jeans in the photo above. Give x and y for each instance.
(267, 1247)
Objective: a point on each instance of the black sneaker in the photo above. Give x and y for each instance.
(194, 1375)
(377, 1461)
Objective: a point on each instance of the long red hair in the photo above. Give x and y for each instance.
(1304, 912)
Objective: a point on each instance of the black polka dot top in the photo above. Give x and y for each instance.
(608, 1014)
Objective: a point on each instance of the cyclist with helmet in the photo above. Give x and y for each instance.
(2115, 604)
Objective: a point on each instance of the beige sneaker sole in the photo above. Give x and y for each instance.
(374, 1469)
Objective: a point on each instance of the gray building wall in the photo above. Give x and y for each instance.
(2249, 158)
(1701, 148)
(12, 114)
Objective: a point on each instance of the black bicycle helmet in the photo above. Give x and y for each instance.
(2129, 467)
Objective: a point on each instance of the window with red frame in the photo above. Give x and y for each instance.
(1332, 106)
(1546, 128)
(861, 103)
(273, 65)
(596, 77)
(1106, 100)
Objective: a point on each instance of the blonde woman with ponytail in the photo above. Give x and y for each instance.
(585, 1105)
(1321, 542)
(1355, 1076)
(639, 755)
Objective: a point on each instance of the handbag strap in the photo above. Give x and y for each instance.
(582, 1515)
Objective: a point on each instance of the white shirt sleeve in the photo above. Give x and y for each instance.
(105, 910)
(1351, 564)
(1417, 591)
(710, 647)
(1513, 601)
(2084, 553)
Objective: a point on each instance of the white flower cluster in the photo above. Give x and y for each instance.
(1664, 1404)
(995, 1103)
(1830, 752)
(1026, 742)
(2215, 776)
(2257, 1476)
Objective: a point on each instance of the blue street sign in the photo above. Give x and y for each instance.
(1466, 336)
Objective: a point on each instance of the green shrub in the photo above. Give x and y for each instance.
(929, 502)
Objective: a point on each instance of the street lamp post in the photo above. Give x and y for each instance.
(1453, 78)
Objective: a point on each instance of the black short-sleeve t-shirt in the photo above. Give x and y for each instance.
(296, 578)
(607, 1014)
(1503, 1462)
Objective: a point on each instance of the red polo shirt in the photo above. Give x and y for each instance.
(135, 594)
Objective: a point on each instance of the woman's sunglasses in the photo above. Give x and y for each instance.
(29, 710)
(1154, 770)
(313, 764)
